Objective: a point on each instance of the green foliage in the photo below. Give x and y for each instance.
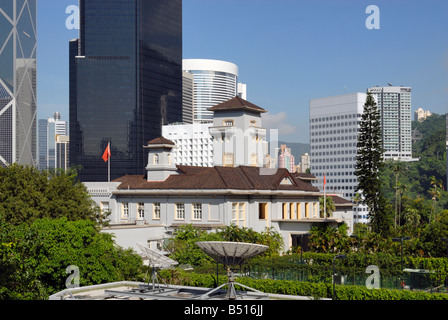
(27, 194)
(307, 289)
(34, 257)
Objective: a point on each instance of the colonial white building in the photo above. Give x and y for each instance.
(147, 208)
(238, 135)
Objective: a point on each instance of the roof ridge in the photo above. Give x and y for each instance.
(248, 178)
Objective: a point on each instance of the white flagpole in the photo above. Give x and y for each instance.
(325, 200)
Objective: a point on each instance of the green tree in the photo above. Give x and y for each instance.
(34, 257)
(369, 164)
(27, 194)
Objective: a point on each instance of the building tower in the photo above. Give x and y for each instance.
(49, 131)
(334, 125)
(238, 135)
(125, 82)
(394, 104)
(215, 81)
(18, 110)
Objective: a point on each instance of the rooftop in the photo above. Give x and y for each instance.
(203, 178)
(237, 103)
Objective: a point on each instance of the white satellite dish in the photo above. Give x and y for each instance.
(231, 254)
(157, 261)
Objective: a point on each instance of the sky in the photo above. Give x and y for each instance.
(287, 52)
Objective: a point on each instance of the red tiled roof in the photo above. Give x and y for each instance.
(237, 103)
(161, 140)
(239, 178)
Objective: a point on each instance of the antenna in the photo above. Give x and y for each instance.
(231, 254)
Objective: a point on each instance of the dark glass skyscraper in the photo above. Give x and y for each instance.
(125, 82)
(18, 109)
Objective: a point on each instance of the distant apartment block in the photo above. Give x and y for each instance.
(285, 159)
(394, 104)
(421, 115)
(305, 162)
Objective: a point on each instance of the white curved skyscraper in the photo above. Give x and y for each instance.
(215, 81)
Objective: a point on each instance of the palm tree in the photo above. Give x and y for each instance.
(330, 206)
(435, 193)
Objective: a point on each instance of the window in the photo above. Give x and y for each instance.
(156, 159)
(125, 210)
(141, 210)
(180, 211)
(238, 211)
(262, 211)
(197, 211)
(104, 207)
(156, 213)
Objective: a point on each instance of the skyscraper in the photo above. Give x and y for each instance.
(125, 82)
(394, 104)
(18, 82)
(215, 81)
(334, 125)
(49, 131)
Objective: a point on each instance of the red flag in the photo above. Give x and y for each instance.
(325, 180)
(106, 154)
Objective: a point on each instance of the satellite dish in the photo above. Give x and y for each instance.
(231, 254)
(157, 261)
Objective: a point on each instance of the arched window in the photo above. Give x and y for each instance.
(156, 159)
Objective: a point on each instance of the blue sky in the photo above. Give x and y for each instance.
(288, 52)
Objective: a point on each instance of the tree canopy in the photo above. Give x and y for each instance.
(27, 194)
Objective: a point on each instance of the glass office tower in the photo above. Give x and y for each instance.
(18, 82)
(125, 82)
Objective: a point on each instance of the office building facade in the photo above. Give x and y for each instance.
(334, 125)
(18, 97)
(187, 97)
(215, 81)
(125, 82)
(394, 104)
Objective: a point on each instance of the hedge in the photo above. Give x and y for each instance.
(308, 289)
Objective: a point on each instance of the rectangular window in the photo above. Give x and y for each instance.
(156, 213)
(241, 212)
(180, 211)
(141, 210)
(197, 211)
(234, 211)
(125, 210)
(262, 211)
(238, 211)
